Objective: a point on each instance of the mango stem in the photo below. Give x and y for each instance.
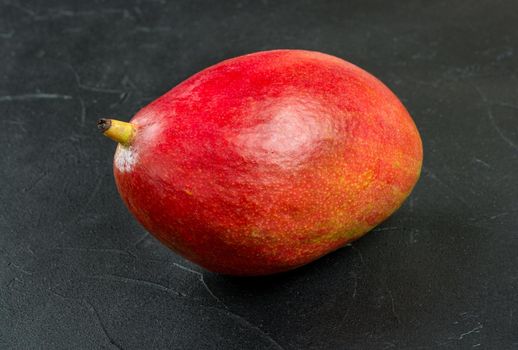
(116, 130)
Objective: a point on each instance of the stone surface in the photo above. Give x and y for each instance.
(76, 270)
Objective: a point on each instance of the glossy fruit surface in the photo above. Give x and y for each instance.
(265, 162)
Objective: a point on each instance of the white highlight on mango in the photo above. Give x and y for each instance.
(291, 130)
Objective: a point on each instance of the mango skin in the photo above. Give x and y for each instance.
(266, 162)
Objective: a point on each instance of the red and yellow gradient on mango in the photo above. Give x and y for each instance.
(266, 162)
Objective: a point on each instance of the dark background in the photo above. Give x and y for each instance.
(77, 271)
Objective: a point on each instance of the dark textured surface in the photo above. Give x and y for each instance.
(77, 272)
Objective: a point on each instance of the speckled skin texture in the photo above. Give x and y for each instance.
(266, 162)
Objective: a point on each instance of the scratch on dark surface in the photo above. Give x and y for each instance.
(56, 13)
(90, 250)
(492, 120)
(137, 10)
(19, 123)
(486, 218)
(141, 239)
(201, 279)
(52, 291)
(94, 192)
(35, 182)
(83, 111)
(243, 321)
(19, 268)
(498, 215)
(126, 81)
(28, 11)
(84, 206)
(100, 89)
(30, 251)
(122, 97)
(480, 161)
(142, 29)
(394, 313)
(351, 303)
(504, 104)
(474, 330)
(136, 281)
(387, 290)
(88, 87)
(379, 229)
(443, 184)
(7, 35)
(11, 283)
(93, 311)
(412, 236)
(359, 253)
(35, 96)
